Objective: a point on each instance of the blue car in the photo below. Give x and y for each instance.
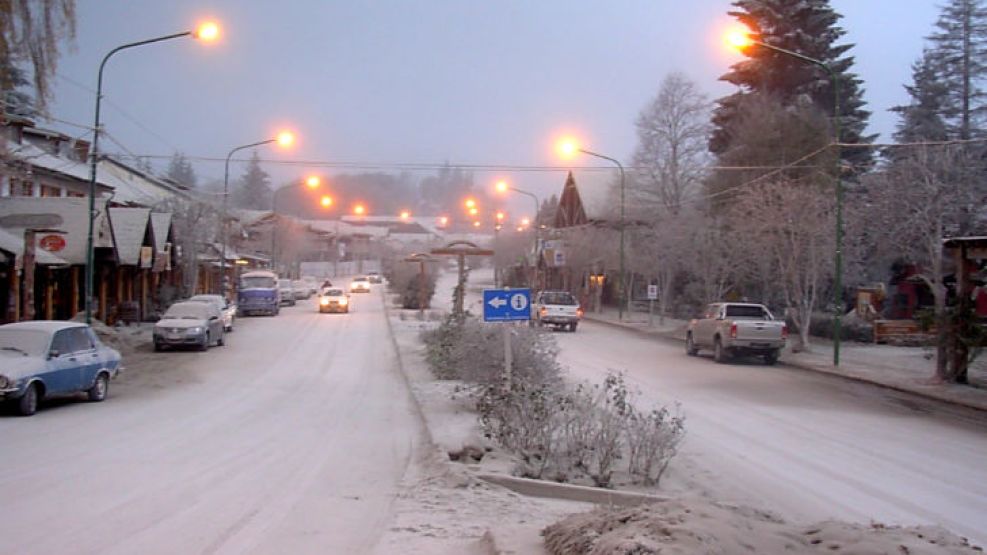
(42, 359)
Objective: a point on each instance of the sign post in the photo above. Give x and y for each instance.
(652, 296)
(507, 305)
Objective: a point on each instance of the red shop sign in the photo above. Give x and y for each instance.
(52, 243)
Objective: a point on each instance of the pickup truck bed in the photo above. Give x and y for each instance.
(733, 329)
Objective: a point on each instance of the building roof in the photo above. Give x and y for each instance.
(135, 187)
(599, 198)
(129, 229)
(342, 228)
(14, 244)
(74, 215)
(160, 226)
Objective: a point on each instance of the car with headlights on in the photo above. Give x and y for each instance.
(42, 359)
(226, 309)
(360, 284)
(333, 299)
(189, 324)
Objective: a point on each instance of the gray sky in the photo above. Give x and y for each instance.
(384, 82)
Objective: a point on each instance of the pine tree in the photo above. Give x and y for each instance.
(254, 191)
(959, 50)
(180, 171)
(808, 27)
(922, 118)
(12, 96)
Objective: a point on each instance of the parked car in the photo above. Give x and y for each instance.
(189, 324)
(360, 284)
(258, 292)
(557, 308)
(42, 359)
(301, 289)
(374, 277)
(226, 309)
(333, 299)
(286, 293)
(312, 283)
(731, 329)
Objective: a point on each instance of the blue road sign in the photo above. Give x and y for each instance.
(506, 305)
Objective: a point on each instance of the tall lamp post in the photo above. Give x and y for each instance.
(742, 39)
(206, 32)
(568, 148)
(503, 187)
(284, 139)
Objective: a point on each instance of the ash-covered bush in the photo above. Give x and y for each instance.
(464, 348)
(851, 328)
(565, 434)
(404, 279)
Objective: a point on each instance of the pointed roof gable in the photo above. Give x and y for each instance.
(570, 212)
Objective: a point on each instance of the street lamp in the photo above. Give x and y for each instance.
(206, 32)
(503, 187)
(568, 148)
(405, 215)
(360, 210)
(741, 39)
(312, 182)
(284, 139)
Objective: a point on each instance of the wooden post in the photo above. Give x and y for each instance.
(508, 356)
(49, 297)
(28, 297)
(15, 292)
(103, 292)
(74, 273)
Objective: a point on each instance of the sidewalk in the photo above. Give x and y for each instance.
(906, 369)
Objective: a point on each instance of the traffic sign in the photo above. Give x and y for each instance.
(506, 305)
(652, 292)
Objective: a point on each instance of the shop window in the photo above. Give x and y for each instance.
(50, 191)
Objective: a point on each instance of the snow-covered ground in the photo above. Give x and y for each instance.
(807, 446)
(293, 438)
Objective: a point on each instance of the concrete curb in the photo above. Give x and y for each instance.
(570, 492)
(933, 395)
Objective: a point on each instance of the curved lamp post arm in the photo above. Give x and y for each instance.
(94, 160)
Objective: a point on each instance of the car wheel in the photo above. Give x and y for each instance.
(205, 344)
(99, 389)
(28, 403)
(771, 357)
(690, 346)
(221, 341)
(572, 327)
(157, 347)
(719, 353)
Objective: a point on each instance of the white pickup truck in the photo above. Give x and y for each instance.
(557, 308)
(730, 329)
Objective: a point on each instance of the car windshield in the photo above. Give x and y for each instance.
(188, 311)
(746, 311)
(214, 299)
(333, 292)
(284, 283)
(257, 282)
(360, 278)
(28, 342)
(558, 297)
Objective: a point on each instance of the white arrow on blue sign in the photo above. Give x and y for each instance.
(506, 305)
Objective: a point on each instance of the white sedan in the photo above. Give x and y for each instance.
(226, 308)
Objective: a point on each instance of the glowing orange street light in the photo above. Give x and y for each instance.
(470, 203)
(567, 147)
(444, 221)
(207, 31)
(326, 201)
(500, 216)
(405, 214)
(738, 38)
(359, 209)
(502, 187)
(286, 139)
(313, 181)
(476, 224)
(474, 211)
(525, 221)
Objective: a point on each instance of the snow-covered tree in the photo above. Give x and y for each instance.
(30, 31)
(671, 154)
(808, 27)
(13, 98)
(180, 170)
(254, 191)
(922, 118)
(959, 50)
